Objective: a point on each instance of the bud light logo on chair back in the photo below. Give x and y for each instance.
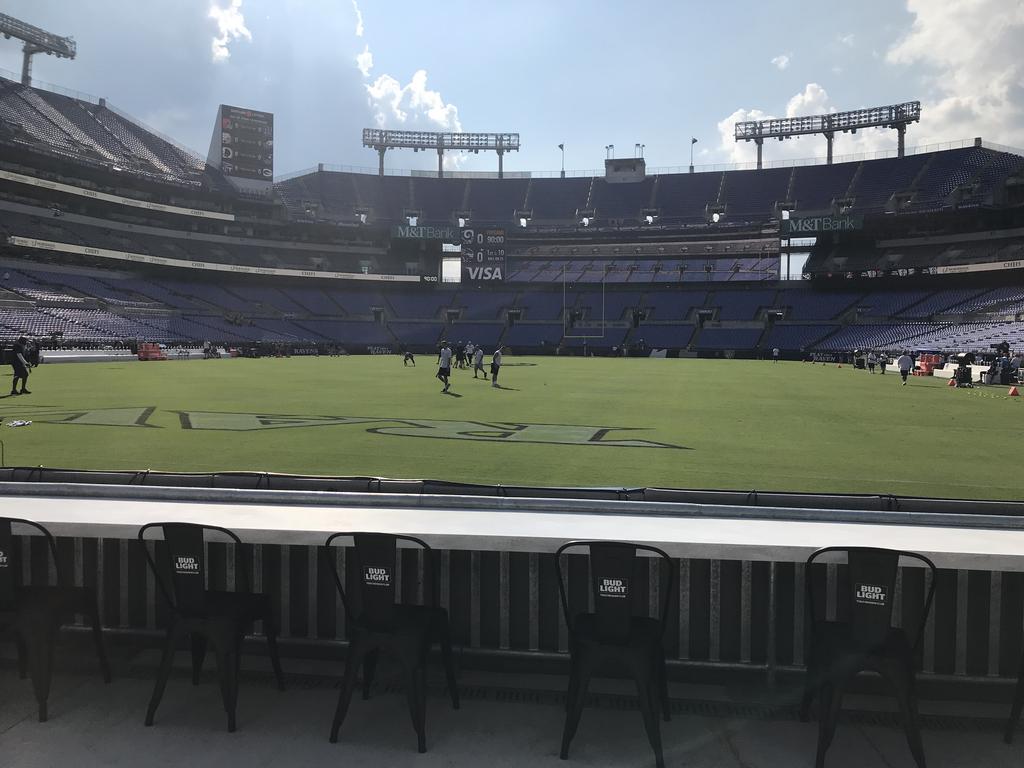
(375, 597)
(7, 568)
(872, 575)
(611, 567)
(185, 545)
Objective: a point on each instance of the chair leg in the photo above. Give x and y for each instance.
(270, 630)
(40, 663)
(348, 685)
(903, 683)
(162, 674)
(645, 688)
(416, 693)
(584, 669)
(830, 698)
(22, 656)
(369, 669)
(449, 663)
(198, 655)
(101, 651)
(810, 686)
(225, 653)
(574, 682)
(666, 706)
(1018, 702)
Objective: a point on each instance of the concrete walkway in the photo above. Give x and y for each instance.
(505, 720)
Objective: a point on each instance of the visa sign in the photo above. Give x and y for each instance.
(483, 273)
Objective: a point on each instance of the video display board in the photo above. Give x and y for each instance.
(246, 143)
(483, 254)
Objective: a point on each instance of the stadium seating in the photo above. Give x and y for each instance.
(90, 133)
(729, 338)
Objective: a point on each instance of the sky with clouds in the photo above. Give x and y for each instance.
(580, 73)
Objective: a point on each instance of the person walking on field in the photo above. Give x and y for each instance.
(444, 366)
(906, 365)
(20, 364)
(478, 362)
(495, 366)
(883, 360)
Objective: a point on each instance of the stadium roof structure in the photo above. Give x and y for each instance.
(382, 140)
(896, 116)
(36, 41)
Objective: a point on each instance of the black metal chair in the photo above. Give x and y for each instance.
(377, 622)
(865, 641)
(210, 617)
(1018, 703)
(614, 632)
(34, 613)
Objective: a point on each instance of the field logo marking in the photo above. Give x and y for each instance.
(439, 429)
(249, 422)
(100, 417)
(516, 432)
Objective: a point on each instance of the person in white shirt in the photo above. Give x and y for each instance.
(495, 366)
(906, 365)
(872, 361)
(883, 360)
(775, 355)
(444, 365)
(478, 362)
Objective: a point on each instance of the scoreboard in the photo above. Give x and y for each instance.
(246, 143)
(483, 255)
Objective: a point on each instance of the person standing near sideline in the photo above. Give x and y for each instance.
(775, 355)
(495, 366)
(883, 360)
(19, 362)
(444, 365)
(478, 362)
(906, 365)
(872, 360)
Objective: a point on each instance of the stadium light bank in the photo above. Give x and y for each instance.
(895, 116)
(382, 140)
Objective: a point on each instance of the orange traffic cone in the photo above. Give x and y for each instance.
(952, 383)
(1013, 392)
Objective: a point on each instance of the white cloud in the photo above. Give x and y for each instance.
(975, 80)
(230, 26)
(781, 61)
(364, 61)
(812, 100)
(847, 40)
(359, 19)
(411, 105)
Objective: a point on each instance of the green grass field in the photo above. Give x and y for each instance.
(559, 421)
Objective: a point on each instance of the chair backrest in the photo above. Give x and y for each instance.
(185, 590)
(370, 600)
(10, 562)
(612, 568)
(869, 596)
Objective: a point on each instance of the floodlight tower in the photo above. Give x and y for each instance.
(381, 141)
(36, 41)
(895, 116)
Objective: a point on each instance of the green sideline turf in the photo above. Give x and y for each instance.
(734, 424)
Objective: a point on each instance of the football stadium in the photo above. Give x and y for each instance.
(656, 463)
